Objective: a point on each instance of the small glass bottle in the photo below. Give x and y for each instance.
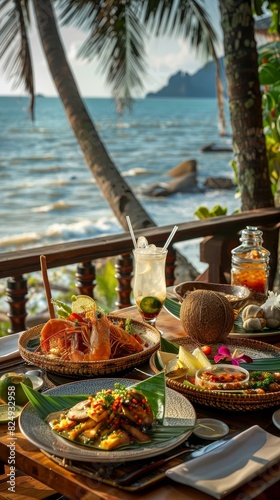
(250, 261)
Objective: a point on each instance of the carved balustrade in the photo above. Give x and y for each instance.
(218, 236)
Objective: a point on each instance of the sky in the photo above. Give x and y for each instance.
(166, 56)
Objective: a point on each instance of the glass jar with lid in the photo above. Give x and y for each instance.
(250, 261)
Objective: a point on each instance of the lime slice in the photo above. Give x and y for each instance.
(150, 305)
(83, 303)
(8, 414)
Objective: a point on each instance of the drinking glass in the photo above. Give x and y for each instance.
(149, 288)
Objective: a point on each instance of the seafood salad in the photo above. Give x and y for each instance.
(110, 419)
(85, 333)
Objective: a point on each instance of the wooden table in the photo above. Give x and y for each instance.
(30, 460)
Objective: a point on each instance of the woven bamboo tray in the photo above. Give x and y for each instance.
(90, 368)
(226, 400)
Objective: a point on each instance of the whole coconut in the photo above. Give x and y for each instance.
(207, 316)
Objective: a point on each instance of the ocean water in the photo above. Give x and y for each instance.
(48, 195)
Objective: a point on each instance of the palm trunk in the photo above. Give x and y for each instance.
(244, 94)
(114, 188)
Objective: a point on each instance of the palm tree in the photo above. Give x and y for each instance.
(245, 104)
(115, 29)
(118, 54)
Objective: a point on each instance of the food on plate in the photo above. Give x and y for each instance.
(271, 310)
(256, 318)
(252, 311)
(11, 390)
(85, 333)
(185, 364)
(207, 316)
(110, 419)
(206, 349)
(201, 356)
(259, 380)
(221, 377)
(262, 382)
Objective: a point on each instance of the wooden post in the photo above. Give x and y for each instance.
(17, 297)
(124, 268)
(86, 278)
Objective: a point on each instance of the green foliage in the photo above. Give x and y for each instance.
(204, 213)
(4, 326)
(106, 285)
(269, 75)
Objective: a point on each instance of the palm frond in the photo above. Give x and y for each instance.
(116, 37)
(187, 18)
(14, 46)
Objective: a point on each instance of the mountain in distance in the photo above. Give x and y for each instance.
(200, 84)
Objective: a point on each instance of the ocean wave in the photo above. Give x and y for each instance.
(58, 205)
(82, 229)
(136, 171)
(19, 240)
(59, 233)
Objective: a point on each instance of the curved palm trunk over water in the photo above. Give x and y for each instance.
(115, 190)
(244, 94)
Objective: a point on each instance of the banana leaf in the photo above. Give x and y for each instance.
(153, 388)
(167, 346)
(173, 306)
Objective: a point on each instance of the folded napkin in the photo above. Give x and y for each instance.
(230, 465)
(9, 347)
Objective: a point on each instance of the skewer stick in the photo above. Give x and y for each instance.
(43, 262)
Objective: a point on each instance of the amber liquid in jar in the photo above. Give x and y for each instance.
(250, 262)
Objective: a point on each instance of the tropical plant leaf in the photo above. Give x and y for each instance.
(44, 404)
(167, 346)
(15, 46)
(174, 307)
(263, 365)
(153, 388)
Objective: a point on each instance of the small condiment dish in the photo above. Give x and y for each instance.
(210, 428)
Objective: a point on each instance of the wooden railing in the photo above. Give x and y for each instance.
(220, 235)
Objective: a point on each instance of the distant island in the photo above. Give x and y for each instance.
(200, 84)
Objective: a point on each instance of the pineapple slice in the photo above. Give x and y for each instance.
(190, 361)
(202, 358)
(164, 358)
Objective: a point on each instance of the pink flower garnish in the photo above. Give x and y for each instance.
(236, 358)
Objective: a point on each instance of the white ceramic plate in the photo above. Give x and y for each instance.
(179, 411)
(9, 347)
(276, 418)
(211, 429)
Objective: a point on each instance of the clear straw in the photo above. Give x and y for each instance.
(131, 231)
(170, 237)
